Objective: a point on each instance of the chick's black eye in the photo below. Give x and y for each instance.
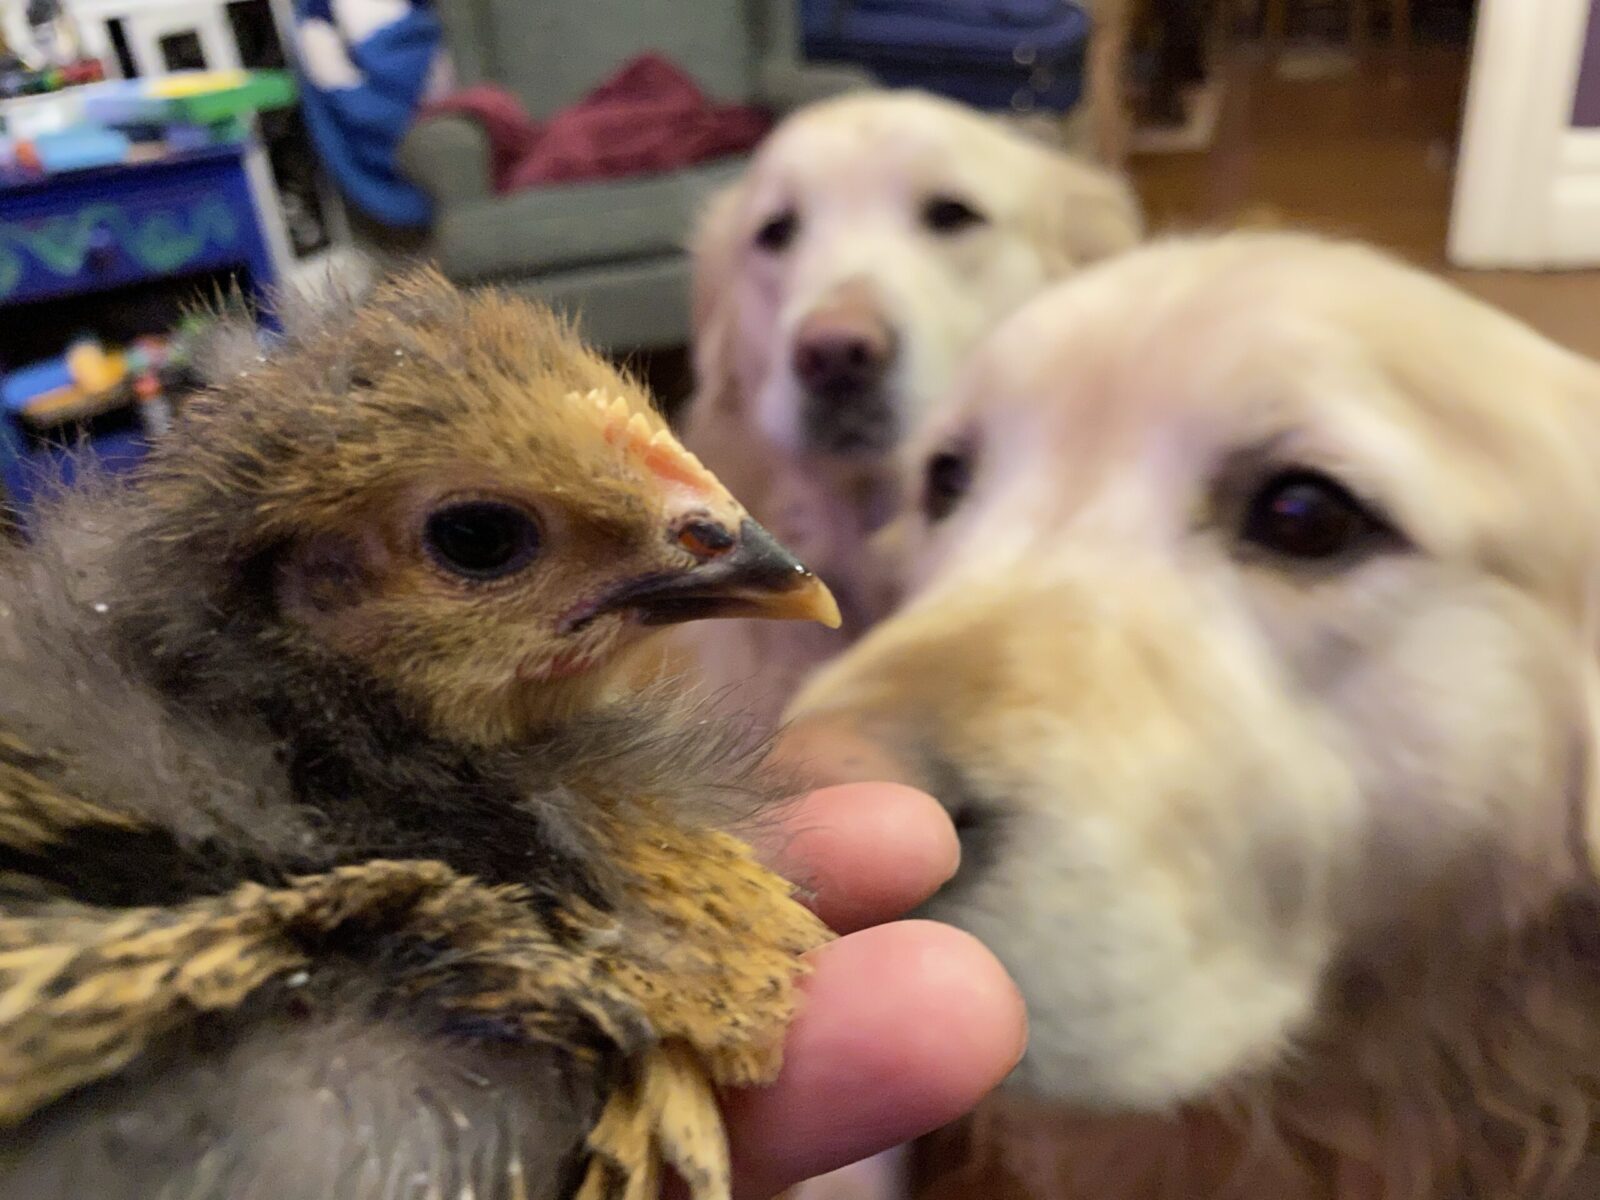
(1305, 515)
(948, 477)
(779, 231)
(950, 214)
(481, 539)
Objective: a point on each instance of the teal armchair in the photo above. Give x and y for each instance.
(612, 253)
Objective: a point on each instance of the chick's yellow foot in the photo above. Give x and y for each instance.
(667, 1116)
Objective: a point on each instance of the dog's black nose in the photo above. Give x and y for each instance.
(845, 348)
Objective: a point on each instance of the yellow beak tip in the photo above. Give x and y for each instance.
(827, 608)
(810, 601)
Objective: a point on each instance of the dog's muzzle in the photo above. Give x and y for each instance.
(843, 354)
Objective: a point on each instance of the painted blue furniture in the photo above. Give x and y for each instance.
(87, 232)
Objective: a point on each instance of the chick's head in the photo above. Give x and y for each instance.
(448, 492)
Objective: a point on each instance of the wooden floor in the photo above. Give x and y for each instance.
(1366, 151)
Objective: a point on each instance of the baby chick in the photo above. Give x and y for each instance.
(337, 858)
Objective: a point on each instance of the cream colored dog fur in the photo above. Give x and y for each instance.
(836, 222)
(1252, 644)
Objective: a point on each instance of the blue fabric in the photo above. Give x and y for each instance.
(358, 129)
(1026, 13)
(989, 53)
(978, 29)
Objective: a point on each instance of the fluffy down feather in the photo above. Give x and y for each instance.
(291, 913)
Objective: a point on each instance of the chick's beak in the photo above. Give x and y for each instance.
(746, 575)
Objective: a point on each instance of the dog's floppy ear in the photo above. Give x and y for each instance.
(1586, 770)
(1585, 777)
(1082, 214)
(714, 255)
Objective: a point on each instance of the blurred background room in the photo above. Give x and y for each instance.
(152, 152)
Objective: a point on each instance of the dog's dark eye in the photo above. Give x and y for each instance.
(481, 539)
(950, 214)
(778, 232)
(1307, 516)
(945, 483)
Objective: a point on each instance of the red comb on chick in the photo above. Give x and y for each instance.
(646, 439)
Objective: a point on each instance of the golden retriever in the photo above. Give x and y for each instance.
(1252, 646)
(838, 285)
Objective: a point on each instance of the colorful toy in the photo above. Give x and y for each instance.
(80, 383)
(94, 369)
(79, 148)
(96, 125)
(91, 379)
(188, 98)
(19, 81)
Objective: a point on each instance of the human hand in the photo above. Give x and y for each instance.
(905, 1026)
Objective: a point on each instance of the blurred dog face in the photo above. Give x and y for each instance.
(1250, 642)
(873, 239)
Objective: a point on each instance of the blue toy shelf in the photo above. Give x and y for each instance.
(94, 236)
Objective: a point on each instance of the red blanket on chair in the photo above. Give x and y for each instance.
(648, 118)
